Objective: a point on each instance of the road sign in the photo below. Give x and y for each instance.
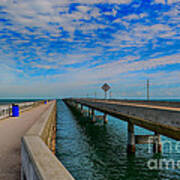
(105, 88)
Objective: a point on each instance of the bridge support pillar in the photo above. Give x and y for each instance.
(89, 112)
(105, 118)
(157, 143)
(93, 116)
(131, 149)
(76, 105)
(81, 108)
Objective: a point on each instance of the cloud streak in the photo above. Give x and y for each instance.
(85, 43)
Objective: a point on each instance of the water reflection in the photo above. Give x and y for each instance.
(98, 151)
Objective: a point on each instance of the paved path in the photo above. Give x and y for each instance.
(11, 131)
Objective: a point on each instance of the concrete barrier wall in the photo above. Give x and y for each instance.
(38, 145)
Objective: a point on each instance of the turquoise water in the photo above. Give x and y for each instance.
(98, 152)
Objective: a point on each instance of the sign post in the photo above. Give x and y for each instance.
(148, 89)
(105, 88)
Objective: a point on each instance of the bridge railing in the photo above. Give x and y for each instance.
(6, 110)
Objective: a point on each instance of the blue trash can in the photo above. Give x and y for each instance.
(15, 110)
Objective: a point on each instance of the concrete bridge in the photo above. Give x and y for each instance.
(27, 143)
(158, 116)
(34, 133)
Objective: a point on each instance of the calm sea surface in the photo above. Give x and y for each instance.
(98, 152)
(11, 101)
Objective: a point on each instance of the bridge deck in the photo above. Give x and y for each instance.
(11, 131)
(160, 117)
(156, 105)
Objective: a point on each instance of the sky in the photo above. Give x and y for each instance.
(53, 48)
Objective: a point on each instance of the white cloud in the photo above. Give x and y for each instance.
(49, 20)
(131, 17)
(168, 1)
(8, 75)
(120, 66)
(135, 16)
(45, 66)
(104, 1)
(173, 1)
(111, 13)
(168, 35)
(160, 1)
(83, 9)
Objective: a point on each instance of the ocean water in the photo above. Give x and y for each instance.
(11, 101)
(98, 152)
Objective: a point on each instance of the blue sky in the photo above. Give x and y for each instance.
(70, 48)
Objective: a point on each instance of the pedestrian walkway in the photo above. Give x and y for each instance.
(11, 131)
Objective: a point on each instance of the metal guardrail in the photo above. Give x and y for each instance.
(6, 110)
